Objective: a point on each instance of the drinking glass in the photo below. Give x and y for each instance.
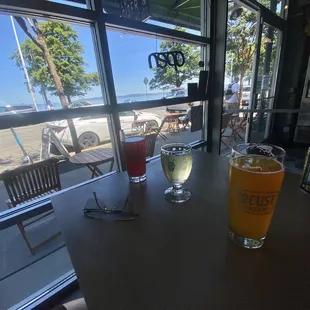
(256, 175)
(135, 155)
(176, 161)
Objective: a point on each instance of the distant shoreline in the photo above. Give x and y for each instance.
(130, 95)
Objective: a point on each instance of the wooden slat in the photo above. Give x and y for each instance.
(29, 175)
(58, 184)
(22, 187)
(92, 157)
(104, 153)
(44, 185)
(15, 184)
(49, 177)
(96, 155)
(26, 183)
(12, 192)
(38, 178)
(52, 176)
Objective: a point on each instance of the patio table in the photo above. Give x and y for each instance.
(179, 256)
(93, 158)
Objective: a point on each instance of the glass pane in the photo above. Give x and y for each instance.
(71, 54)
(24, 145)
(23, 274)
(136, 81)
(240, 53)
(233, 130)
(167, 14)
(268, 65)
(172, 124)
(276, 6)
(76, 3)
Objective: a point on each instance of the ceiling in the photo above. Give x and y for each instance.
(178, 12)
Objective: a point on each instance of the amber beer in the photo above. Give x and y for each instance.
(255, 183)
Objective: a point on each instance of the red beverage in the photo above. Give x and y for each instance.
(134, 151)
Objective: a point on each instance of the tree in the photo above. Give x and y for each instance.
(241, 39)
(167, 77)
(52, 52)
(66, 51)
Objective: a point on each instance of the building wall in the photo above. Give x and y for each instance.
(292, 74)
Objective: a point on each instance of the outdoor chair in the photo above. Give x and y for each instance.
(173, 124)
(226, 130)
(150, 144)
(157, 130)
(239, 126)
(28, 183)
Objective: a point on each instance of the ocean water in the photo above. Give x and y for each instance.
(120, 99)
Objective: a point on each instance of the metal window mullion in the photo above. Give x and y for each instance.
(149, 29)
(105, 67)
(253, 96)
(47, 10)
(274, 81)
(218, 32)
(205, 57)
(158, 103)
(271, 17)
(33, 118)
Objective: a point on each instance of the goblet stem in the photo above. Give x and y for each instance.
(177, 189)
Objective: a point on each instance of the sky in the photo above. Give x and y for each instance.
(129, 57)
(129, 69)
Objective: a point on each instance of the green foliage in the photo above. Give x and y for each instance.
(241, 36)
(67, 54)
(241, 39)
(167, 77)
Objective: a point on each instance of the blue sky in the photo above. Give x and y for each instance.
(129, 69)
(129, 57)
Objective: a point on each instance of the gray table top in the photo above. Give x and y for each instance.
(179, 256)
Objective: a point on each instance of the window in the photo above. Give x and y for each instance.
(23, 274)
(172, 123)
(127, 114)
(30, 88)
(84, 116)
(136, 74)
(76, 3)
(72, 51)
(276, 6)
(167, 14)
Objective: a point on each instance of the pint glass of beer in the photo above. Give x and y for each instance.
(256, 174)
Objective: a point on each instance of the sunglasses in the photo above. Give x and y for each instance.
(126, 213)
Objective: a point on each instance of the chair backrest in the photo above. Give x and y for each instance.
(226, 117)
(150, 144)
(171, 119)
(30, 181)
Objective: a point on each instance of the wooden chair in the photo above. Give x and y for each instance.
(150, 144)
(27, 183)
(157, 130)
(173, 124)
(239, 126)
(226, 118)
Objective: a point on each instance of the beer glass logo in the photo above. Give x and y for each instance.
(259, 203)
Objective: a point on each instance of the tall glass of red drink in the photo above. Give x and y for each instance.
(135, 155)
